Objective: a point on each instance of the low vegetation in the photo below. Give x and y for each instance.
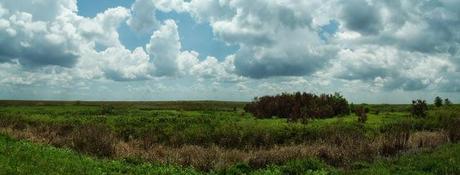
(198, 137)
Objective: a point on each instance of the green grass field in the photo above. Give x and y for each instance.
(219, 138)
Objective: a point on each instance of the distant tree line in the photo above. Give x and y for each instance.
(298, 106)
(438, 102)
(419, 107)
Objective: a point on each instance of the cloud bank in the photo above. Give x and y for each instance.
(406, 45)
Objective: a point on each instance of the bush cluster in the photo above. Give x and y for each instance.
(419, 108)
(361, 112)
(438, 101)
(95, 139)
(106, 109)
(298, 106)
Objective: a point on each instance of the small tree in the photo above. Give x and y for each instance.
(352, 107)
(447, 102)
(438, 101)
(361, 112)
(419, 108)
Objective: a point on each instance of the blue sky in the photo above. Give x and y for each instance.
(194, 36)
(370, 51)
(89, 8)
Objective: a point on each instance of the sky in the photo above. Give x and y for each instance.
(370, 51)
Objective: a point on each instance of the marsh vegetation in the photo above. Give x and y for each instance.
(227, 138)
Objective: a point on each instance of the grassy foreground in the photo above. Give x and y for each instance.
(22, 157)
(443, 160)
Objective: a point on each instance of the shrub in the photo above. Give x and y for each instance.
(366, 109)
(361, 112)
(447, 102)
(419, 108)
(451, 124)
(94, 139)
(298, 106)
(438, 101)
(106, 109)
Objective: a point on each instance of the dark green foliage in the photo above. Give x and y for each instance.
(450, 123)
(298, 106)
(447, 102)
(352, 108)
(305, 166)
(376, 112)
(453, 130)
(293, 167)
(106, 109)
(419, 108)
(438, 101)
(240, 168)
(361, 112)
(385, 108)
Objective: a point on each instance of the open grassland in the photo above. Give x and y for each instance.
(220, 138)
(21, 157)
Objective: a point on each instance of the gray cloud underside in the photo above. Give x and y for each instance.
(407, 45)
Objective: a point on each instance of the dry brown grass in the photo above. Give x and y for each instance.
(214, 157)
(93, 140)
(340, 151)
(97, 140)
(27, 134)
(427, 139)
